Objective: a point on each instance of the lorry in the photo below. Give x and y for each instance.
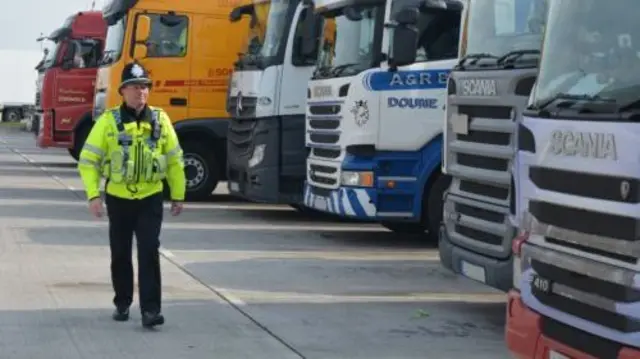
(576, 266)
(66, 82)
(266, 154)
(188, 47)
(486, 94)
(17, 88)
(376, 109)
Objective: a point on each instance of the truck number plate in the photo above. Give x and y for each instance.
(555, 355)
(474, 272)
(459, 123)
(320, 203)
(541, 284)
(234, 186)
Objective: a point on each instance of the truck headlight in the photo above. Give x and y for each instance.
(257, 156)
(360, 179)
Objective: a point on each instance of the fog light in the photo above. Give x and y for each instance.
(258, 155)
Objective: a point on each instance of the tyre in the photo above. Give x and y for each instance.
(435, 205)
(201, 170)
(404, 228)
(80, 137)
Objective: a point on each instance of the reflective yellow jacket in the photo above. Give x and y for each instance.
(101, 157)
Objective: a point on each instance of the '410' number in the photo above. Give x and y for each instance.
(542, 284)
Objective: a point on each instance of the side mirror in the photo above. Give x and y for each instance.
(140, 51)
(408, 16)
(143, 29)
(310, 34)
(405, 43)
(237, 12)
(353, 13)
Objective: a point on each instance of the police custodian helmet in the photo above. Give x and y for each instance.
(134, 73)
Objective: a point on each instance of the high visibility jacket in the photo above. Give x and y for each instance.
(133, 157)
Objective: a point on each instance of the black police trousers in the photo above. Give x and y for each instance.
(144, 218)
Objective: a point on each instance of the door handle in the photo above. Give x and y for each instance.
(178, 101)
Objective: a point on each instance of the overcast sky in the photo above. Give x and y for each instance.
(22, 21)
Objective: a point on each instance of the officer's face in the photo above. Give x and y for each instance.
(135, 95)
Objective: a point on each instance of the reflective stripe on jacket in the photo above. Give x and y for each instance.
(140, 175)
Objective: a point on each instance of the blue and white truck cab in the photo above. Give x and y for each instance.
(375, 110)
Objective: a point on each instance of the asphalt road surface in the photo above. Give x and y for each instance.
(240, 280)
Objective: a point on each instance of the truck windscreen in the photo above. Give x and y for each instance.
(258, 28)
(591, 59)
(347, 44)
(50, 51)
(503, 32)
(114, 42)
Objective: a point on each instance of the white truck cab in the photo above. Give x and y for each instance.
(266, 101)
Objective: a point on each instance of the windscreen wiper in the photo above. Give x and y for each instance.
(512, 56)
(336, 71)
(475, 58)
(574, 99)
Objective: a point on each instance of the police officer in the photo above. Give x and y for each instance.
(135, 147)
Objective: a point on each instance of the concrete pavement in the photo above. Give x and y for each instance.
(240, 281)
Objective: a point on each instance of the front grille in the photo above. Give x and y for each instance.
(240, 136)
(323, 139)
(479, 162)
(598, 297)
(479, 226)
(483, 155)
(247, 108)
(592, 282)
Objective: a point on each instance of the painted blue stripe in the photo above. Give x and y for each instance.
(341, 203)
(355, 204)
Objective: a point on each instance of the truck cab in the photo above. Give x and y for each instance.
(376, 108)
(486, 94)
(188, 47)
(577, 255)
(266, 154)
(66, 80)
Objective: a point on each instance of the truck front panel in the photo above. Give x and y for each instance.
(265, 147)
(487, 92)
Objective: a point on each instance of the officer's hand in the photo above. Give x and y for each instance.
(176, 208)
(96, 208)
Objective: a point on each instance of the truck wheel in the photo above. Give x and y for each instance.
(404, 228)
(11, 115)
(80, 137)
(434, 205)
(201, 170)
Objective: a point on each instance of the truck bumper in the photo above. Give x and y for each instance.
(490, 271)
(274, 174)
(348, 202)
(529, 337)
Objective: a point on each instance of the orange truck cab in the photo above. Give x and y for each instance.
(66, 80)
(188, 47)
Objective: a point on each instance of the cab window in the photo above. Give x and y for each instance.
(168, 37)
(438, 38)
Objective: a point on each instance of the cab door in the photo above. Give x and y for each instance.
(168, 62)
(74, 83)
(213, 52)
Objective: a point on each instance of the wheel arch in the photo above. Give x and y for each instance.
(212, 133)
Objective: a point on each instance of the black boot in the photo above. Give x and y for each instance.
(120, 314)
(150, 320)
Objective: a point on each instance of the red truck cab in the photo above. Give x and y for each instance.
(66, 81)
